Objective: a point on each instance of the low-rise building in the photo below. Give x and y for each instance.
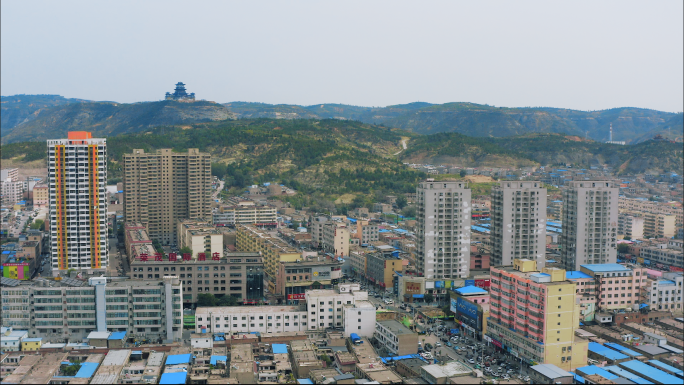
(327, 308)
(666, 294)
(396, 338)
(470, 305)
(239, 275)
(294, 278)
(617, 285)
(11, 340)
(245, 213)
(199, 236)
(366, 232)
(550, 374)
(336, 239)
(234, 320)
(381, 267)
(41, 195)
(440, 374)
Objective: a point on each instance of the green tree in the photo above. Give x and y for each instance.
(623, 248)
(71, 370)
(402, 201)
(409, 211)
(186, 250)
(462, 173)
(206, 300)
(429, 298)
(38, 224)
(327, 360)
(627, 238)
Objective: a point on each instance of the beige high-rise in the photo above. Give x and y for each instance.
(164, 187)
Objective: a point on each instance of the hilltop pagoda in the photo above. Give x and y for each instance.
(180, 94)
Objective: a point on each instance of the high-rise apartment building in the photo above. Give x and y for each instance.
(77, 180)
(590, 221)
(164, 187)
(518, 222)
(535, 314)
(443, 229)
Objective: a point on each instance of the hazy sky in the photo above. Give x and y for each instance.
(576, 54)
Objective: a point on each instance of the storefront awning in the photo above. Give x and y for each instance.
(419, 296)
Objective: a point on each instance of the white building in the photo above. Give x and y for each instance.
(12, 191)
(246, 213)
(631, 226)
(316, 228)
(590, 219)
(359, 318)
(9, 173)
(326, 307)
(396, 338)
(443, 229)
(10, 339)
(666, 293)
(518, 223)
(248, 319)
(77, 180)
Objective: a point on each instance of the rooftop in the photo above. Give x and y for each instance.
(395, 327)
(650, 372)
(246, 309)
(449, 369)
(471, 290)
(605, 267)
(551, 371)
(576, 275)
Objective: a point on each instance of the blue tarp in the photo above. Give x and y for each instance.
(178, 359)
(87, 369)
(622, 349)
(279, 349)
(579, 379)
(406, 357)
(117, 336)
(643, 305)
(214, 358)
(354, 337)
(173, 378)
(304, 381)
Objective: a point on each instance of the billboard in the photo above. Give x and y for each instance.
(16, 271)
(412, 288)
(320, 272)
(454, 306)
(470, 282)
(482, 283)
(466, 308)
(295, 296)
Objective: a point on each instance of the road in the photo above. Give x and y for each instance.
(403, 144)
(214, 195)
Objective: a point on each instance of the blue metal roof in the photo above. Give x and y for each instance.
(656, 375)
(665, 282)
(32, 339)
(660, 365)
(605, 352)
(352, 220)
(628, 375)
(173, 378)
(304, 381)
(603, 267)
(87, 369)
(178, 359)
(117, 336)
(576, 275)
(214, 358)
(279, 349)
(593, 369)
(479, 228)
(470, 290)
(622, 349)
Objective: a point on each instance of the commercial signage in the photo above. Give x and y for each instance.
(412, 288)
(320, 272)
(470, 282)
(496, 343)
(295, 296)
(675, 268)
(454, 306)
(482, 283)
(19, 271)
(466, 308)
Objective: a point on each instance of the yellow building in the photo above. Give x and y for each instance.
(31, 344)
(534, 315)
(274, 250)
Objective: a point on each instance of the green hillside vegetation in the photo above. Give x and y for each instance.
(17, 109)
(107, 118)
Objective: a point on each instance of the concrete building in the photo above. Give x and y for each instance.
(659, 225)
(200, 236)
(645, 206)
(546, 301)
(666, 293)
(590, 218)
(316, 227)
(443, 229)
(518, 222)
(12, 191)
(617, 286)
(336, 239)
(240, 275)
(381, 268)
(550, 374)
(366, 232)
(668, 254)
(359, 318)
(246, 213)
(397, 339)
(141, 308)
(136, 241)
(586, 293)
(470, 305)
(326, 307)
(448, 373)
(41, 196)
(164, 187)
(359, 262)
(11, 340)
(9, 173)
(77, 178)
(309, 272)
(631, 226)
(234, 320)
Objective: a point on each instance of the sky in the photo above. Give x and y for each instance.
(586, 55)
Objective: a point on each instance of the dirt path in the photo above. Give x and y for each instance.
(403, 144)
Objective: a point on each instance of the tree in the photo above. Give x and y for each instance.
(401, 201)
(429, 298)
(627, 238)
(327, 360)
(186, 250)
(38, 224)
(206, 300)
(462, 173)
(71, 370)
(409, 211)
(622, 248)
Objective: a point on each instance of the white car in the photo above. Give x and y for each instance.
(438, 344)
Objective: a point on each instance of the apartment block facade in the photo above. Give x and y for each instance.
(77, 180)
(316, 226)
(518, 222)
(590, 221)
(443, 219)
(631, 226)
(396, 338)
(326, 308)
(617, 286)
(73, 308)
(534, 315)
(200, 236)
(336, 239)
(246, 213)
(666, 293)
(242, 319)
(295, 278)
(366, 232)
(164, 187)
(240, 275)
(646, 206)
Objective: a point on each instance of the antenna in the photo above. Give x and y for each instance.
(611, 133)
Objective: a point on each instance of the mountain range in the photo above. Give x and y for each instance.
(39, 117)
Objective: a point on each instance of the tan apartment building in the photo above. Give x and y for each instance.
(646, 206)
(631, 226)
(163, 187)
(659, 225)
(273, 250)
(336, 239)
(366, 232)
(200, 236)
(246, 213)
(41, 195)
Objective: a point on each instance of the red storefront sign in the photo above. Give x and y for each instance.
(496, 343)
(295, 296)
(675, 268)
(482, 283)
